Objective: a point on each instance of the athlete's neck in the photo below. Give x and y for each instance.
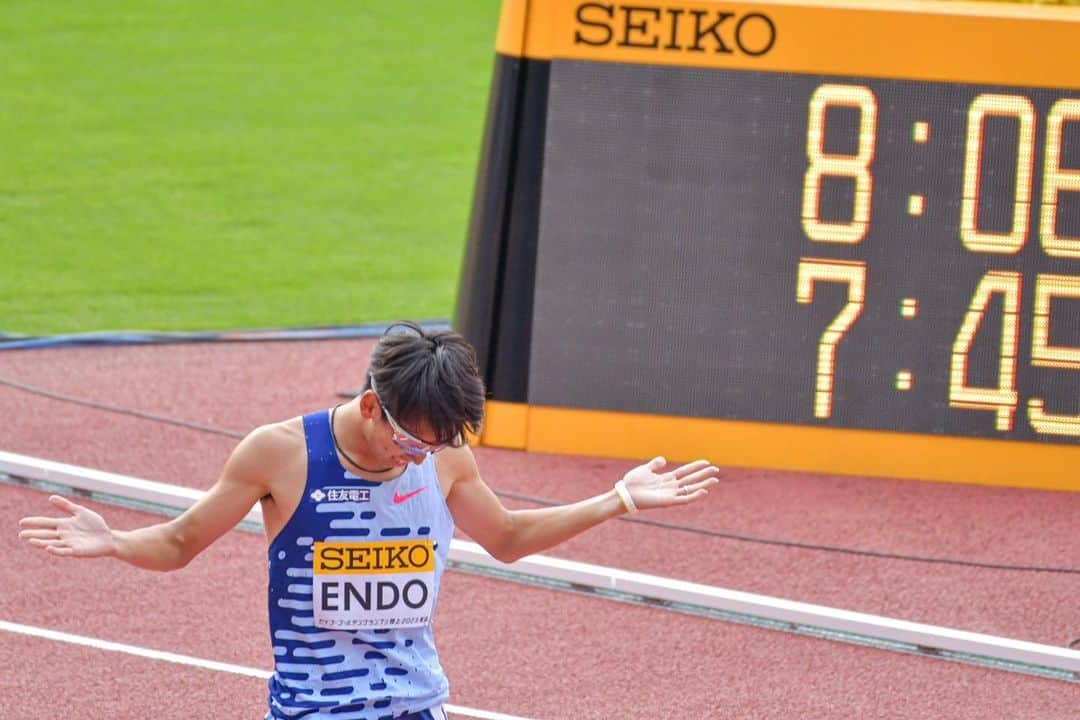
(388, 473)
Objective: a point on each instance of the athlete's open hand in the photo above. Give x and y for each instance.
(649, 487)
(82, 533)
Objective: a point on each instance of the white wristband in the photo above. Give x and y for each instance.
(624, 495)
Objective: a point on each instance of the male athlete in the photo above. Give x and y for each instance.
(360, 503)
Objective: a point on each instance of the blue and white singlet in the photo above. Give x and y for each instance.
(354, 580)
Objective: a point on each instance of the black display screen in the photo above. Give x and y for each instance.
(809, 249)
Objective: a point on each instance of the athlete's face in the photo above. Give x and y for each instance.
(409, 444)
(389, 440)
(404, 446)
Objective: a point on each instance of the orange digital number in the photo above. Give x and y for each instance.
(855, 166)
(813, 270)
(1001, 399)
(1043, 354)
(1056, 179)
(1001, 106)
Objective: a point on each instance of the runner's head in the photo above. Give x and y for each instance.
(428, 385)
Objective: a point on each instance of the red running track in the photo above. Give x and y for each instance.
(511, 648)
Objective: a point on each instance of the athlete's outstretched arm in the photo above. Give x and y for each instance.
(512, 534)
(83, 533)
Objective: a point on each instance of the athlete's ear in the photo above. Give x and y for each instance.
(369, 406)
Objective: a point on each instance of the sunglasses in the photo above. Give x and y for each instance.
(403, 438)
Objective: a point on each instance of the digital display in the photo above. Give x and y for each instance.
(729, 226)
(833, 251)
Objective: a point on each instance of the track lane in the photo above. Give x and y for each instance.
(526, 650)
(236, 386)
(511, 648)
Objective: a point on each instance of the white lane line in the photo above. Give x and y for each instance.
(131, 650)
(110, 646)
(482, 714)
(650, 587)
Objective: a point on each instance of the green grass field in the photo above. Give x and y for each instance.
(205, 165)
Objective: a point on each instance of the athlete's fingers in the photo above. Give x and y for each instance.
(39, 522)
(691, 496)
(703, 484)
(37, 542)
(39, 534)
(63, 503)
(705, 474)
(657, 462)
(689, 468)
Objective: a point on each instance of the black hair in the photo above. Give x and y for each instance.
(429, 376)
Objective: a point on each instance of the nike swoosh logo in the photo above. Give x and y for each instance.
(398, 499)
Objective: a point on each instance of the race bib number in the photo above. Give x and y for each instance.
(361, 585)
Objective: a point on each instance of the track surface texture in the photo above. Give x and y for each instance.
(511, 648)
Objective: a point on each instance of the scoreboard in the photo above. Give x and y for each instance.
(826, 236)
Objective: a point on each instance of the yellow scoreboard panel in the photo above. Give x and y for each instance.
(821, 236)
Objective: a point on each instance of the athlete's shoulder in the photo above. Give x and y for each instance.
(456, 465)
(273, 444)
(278, 436)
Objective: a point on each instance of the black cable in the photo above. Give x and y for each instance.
(551, 503)
(121, 411)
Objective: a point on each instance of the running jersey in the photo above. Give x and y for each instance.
(354, 579)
